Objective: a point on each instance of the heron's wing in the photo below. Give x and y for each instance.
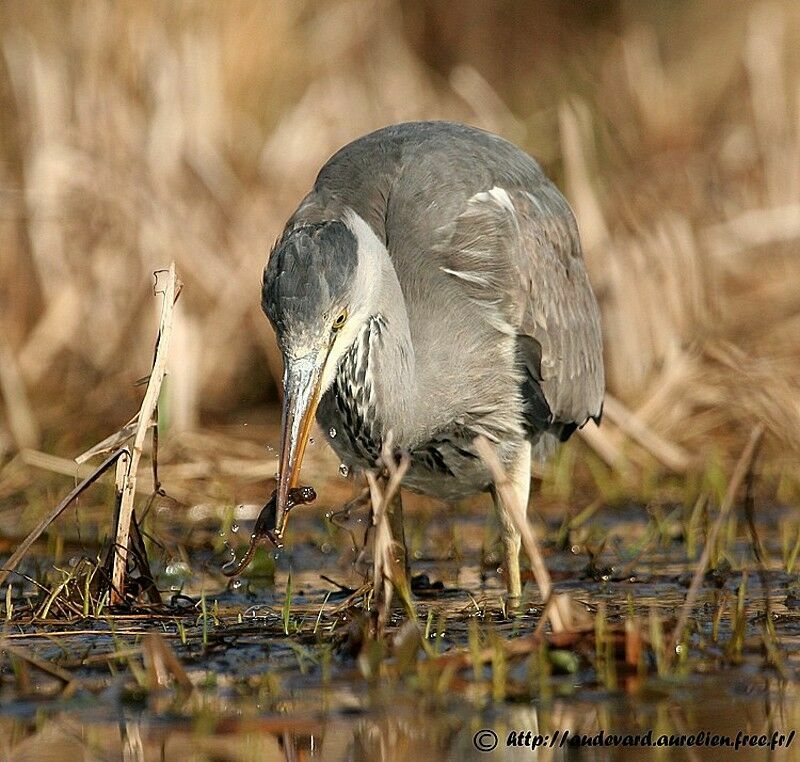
(518, 253)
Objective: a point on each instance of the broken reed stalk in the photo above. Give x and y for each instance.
(739, 472)
(69, 682)
(126, 481)
(387, 576)
(119, 457)
(162, 663)
(558, 613)
(383, 541)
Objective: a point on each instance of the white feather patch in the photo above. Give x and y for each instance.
(368, 242)
(497, 195)
(470, 277)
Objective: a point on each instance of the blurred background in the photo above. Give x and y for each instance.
(135, 133)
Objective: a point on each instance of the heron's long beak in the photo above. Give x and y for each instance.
(301, 391)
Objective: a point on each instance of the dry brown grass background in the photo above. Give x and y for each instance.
(135, 133)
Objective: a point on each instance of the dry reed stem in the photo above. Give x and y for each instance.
(386, 575)
(41, 664)
(125, 129)
(161, 663)
(48, 635)
(739, 472)
(606, 448)
(53, 332)
(64, 466)
(111, 442)
(575, 130)
(21, 420)
(559, 613)
(674, 457)
(381, 565)
(55, 464)
(146, 413)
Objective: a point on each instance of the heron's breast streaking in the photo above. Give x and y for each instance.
(348, 412)
(351, 416)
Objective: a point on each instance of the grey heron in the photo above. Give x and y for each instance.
(431, 288)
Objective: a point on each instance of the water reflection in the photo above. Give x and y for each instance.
(401, 726)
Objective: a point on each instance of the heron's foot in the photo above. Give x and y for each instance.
(513, 578)
(422, 586)
(513, 604)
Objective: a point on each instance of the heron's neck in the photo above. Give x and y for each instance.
(382, 355)
(393, 371)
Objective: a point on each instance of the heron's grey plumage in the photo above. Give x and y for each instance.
(518, 253)
(476, 313)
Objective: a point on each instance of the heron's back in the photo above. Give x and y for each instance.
(503, 322)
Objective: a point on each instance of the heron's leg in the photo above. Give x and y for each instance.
(519, 474)
(395, 509)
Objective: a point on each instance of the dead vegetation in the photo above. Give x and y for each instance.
(134, 136)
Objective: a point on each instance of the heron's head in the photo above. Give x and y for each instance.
(316, 294)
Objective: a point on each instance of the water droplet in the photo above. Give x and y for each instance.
(234, 528)
(344, 469)
(332, 432)
(236, 584)
(177, 568)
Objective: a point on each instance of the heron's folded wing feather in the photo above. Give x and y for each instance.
(518, 253)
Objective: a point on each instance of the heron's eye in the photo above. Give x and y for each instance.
(341, 319)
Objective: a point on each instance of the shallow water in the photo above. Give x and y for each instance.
(326, 691)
